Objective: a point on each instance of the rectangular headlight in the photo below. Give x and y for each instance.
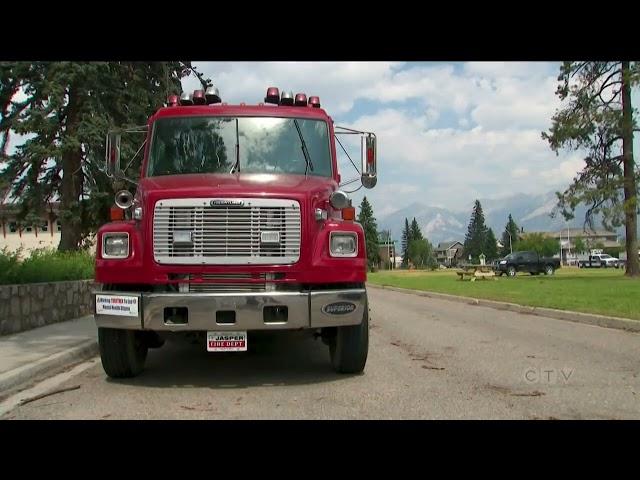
(343, 244)
(115, 245)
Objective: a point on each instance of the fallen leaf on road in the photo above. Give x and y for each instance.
(187, 408)
(432, 368)
(535, 393)
(48, 394)
(531, 356)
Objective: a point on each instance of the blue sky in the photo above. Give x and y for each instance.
(447, 132)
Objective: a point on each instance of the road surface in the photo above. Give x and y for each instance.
(428, 359)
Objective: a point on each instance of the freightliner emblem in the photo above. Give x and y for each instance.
(234, 203)
(339, 308)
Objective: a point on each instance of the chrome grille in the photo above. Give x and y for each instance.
(228, 282)
(225, 234)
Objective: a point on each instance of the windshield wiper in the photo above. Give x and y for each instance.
(307, 157)
(237, 164)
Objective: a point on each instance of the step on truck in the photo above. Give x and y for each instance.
(238, 223)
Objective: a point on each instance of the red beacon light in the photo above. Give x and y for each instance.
(273, 96)
(198, 97)
(314, 102)
(172, 100)
(212, 95)
(301, 100)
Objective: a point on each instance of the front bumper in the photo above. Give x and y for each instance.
(315, 309)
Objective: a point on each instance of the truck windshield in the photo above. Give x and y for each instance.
(183, 145)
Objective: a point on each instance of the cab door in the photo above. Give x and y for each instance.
(529, 262)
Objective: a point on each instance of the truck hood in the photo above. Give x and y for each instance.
(236, 185)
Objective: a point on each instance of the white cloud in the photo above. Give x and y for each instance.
(337, 84)
(520, 172)
(446, 134)
(565, 171)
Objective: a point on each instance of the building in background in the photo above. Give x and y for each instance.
(449, 253)
(15, 234)
(387, 251)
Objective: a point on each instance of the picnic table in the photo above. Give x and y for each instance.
(472, 272)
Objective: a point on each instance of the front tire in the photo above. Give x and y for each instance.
(511, 272)
(350, 346)
(548, 270)
(123, 352)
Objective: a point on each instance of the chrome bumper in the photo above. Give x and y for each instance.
(316, 309)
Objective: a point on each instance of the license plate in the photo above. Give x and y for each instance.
(226, 341)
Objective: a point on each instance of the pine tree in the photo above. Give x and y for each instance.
(406, 240)
(416, 233)
(491, 245)
(598, 119)
(368, 222)
(509, 237)
(475, 240)
(68, 109)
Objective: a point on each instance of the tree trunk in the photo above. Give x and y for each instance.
(72, 180)
(630, 200)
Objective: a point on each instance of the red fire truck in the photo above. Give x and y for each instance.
(238, 223)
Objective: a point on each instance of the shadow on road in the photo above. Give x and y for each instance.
(273, 358)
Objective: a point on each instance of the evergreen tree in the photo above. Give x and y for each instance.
(416, 233)
(491, 246)
(406, 240)
(509, 237)
(598, 119)
(475, 240)
(67, 109)
(368, 222)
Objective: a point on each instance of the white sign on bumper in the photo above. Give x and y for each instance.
(122, 305)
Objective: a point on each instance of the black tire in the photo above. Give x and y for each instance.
(511, 271)
(123, 352)
(548, 270)
(350, 347)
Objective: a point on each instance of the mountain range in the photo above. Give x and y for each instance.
(438, 224)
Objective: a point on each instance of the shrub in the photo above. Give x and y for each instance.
(46, 266)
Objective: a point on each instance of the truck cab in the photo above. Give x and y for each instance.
(237, 224)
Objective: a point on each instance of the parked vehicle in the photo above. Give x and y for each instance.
(527, 261)
(599, 260)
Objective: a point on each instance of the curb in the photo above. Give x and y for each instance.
(578, 317)
(57, 361)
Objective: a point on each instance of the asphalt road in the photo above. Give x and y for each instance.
(428, 359)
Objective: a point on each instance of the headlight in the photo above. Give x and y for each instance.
(343, 244)
(115, 245)
(503, 262)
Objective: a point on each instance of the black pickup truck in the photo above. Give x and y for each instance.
(527, 262)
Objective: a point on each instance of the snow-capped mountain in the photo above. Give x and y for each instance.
(532, 212)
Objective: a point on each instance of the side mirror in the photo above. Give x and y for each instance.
(112, 155)
(369, 161)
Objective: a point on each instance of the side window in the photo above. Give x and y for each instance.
(529, 257)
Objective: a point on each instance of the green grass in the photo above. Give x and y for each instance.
(45, 266)
(600, 291)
